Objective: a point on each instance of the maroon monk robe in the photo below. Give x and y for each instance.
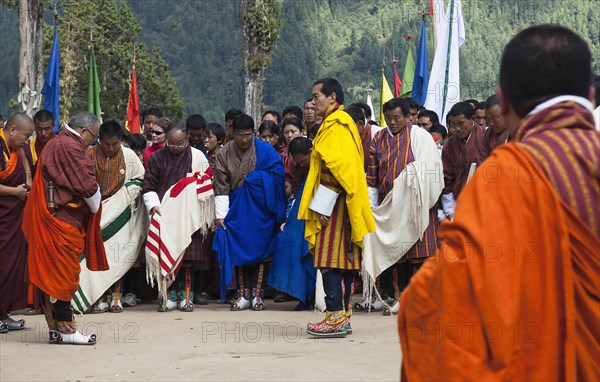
(13, 246)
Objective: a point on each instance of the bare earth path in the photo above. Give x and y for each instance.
(208, 344)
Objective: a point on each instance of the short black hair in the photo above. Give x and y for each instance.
(472, 101)
(232, 113)
(356, 113)
(292, 121)
(296, 111)
(274, 113)
(462, 108)
(42, 116)
(412, 103)
(110, 129)
(596, 85)
(480, 106)
(195, 122)
(243, 122)
(174, 126)
(432, 115)
(365, 108)
(136, 142)
(217, 130)
(437, 128)
(152, 111)
(300, 145)
(543, 62)
(331, 85)
(313, 130)
(271, 126)
(492, 101)
(395, 103)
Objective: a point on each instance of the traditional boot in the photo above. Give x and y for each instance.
(331, 327)
(69, 334)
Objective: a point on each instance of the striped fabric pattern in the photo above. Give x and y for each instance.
(489, 142)
(457, 156)
(388, 157)
(110, 172)
(565, 145)
(333, 244)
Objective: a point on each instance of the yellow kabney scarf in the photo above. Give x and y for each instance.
(338, 146)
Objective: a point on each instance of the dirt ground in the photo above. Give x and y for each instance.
(209, 344)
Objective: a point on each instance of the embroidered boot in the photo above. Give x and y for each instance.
(331, 327)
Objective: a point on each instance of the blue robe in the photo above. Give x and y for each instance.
(292, 269)
(256, 210)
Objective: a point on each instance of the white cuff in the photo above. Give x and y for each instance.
(448, 203)
(373, 196)
(323, 201)
(94, 201)
(221, 206)
(151, 200)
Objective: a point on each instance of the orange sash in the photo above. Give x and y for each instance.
(11, 162)
(513, 292)
(55, 247)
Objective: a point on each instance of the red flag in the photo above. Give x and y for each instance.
(133, 108)
(397, 84)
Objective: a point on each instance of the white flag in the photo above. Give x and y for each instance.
(370, 103)
(444, 81)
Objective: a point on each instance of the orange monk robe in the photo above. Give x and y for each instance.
(55, 247)
(514, 292)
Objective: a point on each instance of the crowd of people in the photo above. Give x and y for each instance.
(310, 203)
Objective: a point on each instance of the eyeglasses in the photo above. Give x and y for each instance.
(94, 137)
(180, 146)
(157, 133)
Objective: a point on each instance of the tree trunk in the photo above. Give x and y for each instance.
(253, 94)
(30, 28)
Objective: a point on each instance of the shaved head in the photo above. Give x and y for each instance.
(17, 130)
(19, 120)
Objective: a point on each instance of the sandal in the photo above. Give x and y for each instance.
(240, 304)
(186, 306)
(115, 308)
(169, 306)
(257, 304)
(100, 307)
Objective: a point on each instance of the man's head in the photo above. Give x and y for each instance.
(462, 119)
(300, 150)
(358, 116)
(471, 101)
(196, 125)
(540, 63)
(310, 112)
(243, 131)
(149, 116)
(397, 114)
(230, 115)
(493, 114)
(326, 92)
(271, 115)
(17, 130)
(293, 112)
(414, 109)
(177, 138)
(43, 121)
(86, 124)
(365, 108)
(109, 138)
(427, 118)
(480, 115)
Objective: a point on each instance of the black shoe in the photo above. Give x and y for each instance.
(281, 297)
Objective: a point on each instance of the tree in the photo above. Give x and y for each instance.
(260, 26)
(115, 32)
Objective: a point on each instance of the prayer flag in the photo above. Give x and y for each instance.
(386, 95)
(133, 108)
(443, 90)
(51, 89)
(94, 88)
(408, 75)
(421, 79)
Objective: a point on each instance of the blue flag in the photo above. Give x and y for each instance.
(51, 89)
(421, 80)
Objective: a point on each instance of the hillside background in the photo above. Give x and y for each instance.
(346, 39)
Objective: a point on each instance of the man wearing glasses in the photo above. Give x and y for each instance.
(61, 221)
(173, 215)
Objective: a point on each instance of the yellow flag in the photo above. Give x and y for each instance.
(386, 95)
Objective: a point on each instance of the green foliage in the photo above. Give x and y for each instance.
(346, 39)
(263, 30)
